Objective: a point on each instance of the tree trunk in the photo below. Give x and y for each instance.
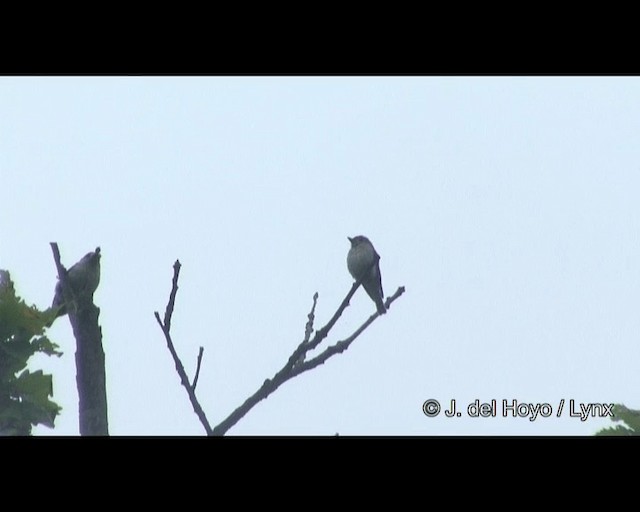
(90, 368)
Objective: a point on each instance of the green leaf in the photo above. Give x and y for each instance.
(46, 346)
(34, 387)
(630, 419)
(24, 395)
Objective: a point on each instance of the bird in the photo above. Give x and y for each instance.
(363, 263)
(83, 278)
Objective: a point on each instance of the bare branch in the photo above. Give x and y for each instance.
(391, 299)
(67, 291)
(308, 328)
(291, 369)
(172, 297)
(343, 345)
(295, 364)
(195, 379)
(56, 257)
(197, 408)
(179, 367)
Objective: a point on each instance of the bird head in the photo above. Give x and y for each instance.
(357, 240)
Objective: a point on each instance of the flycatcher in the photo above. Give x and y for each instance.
(83, 277)
(363, 264)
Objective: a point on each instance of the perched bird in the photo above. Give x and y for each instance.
(363, 264)
(83, 277)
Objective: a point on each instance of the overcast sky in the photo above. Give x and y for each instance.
(507, 206)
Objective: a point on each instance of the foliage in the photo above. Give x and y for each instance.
(630, 419)
(24, 395)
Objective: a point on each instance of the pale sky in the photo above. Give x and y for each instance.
(507, 206)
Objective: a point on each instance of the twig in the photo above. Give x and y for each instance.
(179, 367)
(67, 291)
(308, 328)
(168, 313)
(291, 369)
(56, 258)
(195, 379)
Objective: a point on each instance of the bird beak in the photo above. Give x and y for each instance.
(350, 239)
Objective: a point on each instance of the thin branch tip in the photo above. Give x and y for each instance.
(195, 378)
